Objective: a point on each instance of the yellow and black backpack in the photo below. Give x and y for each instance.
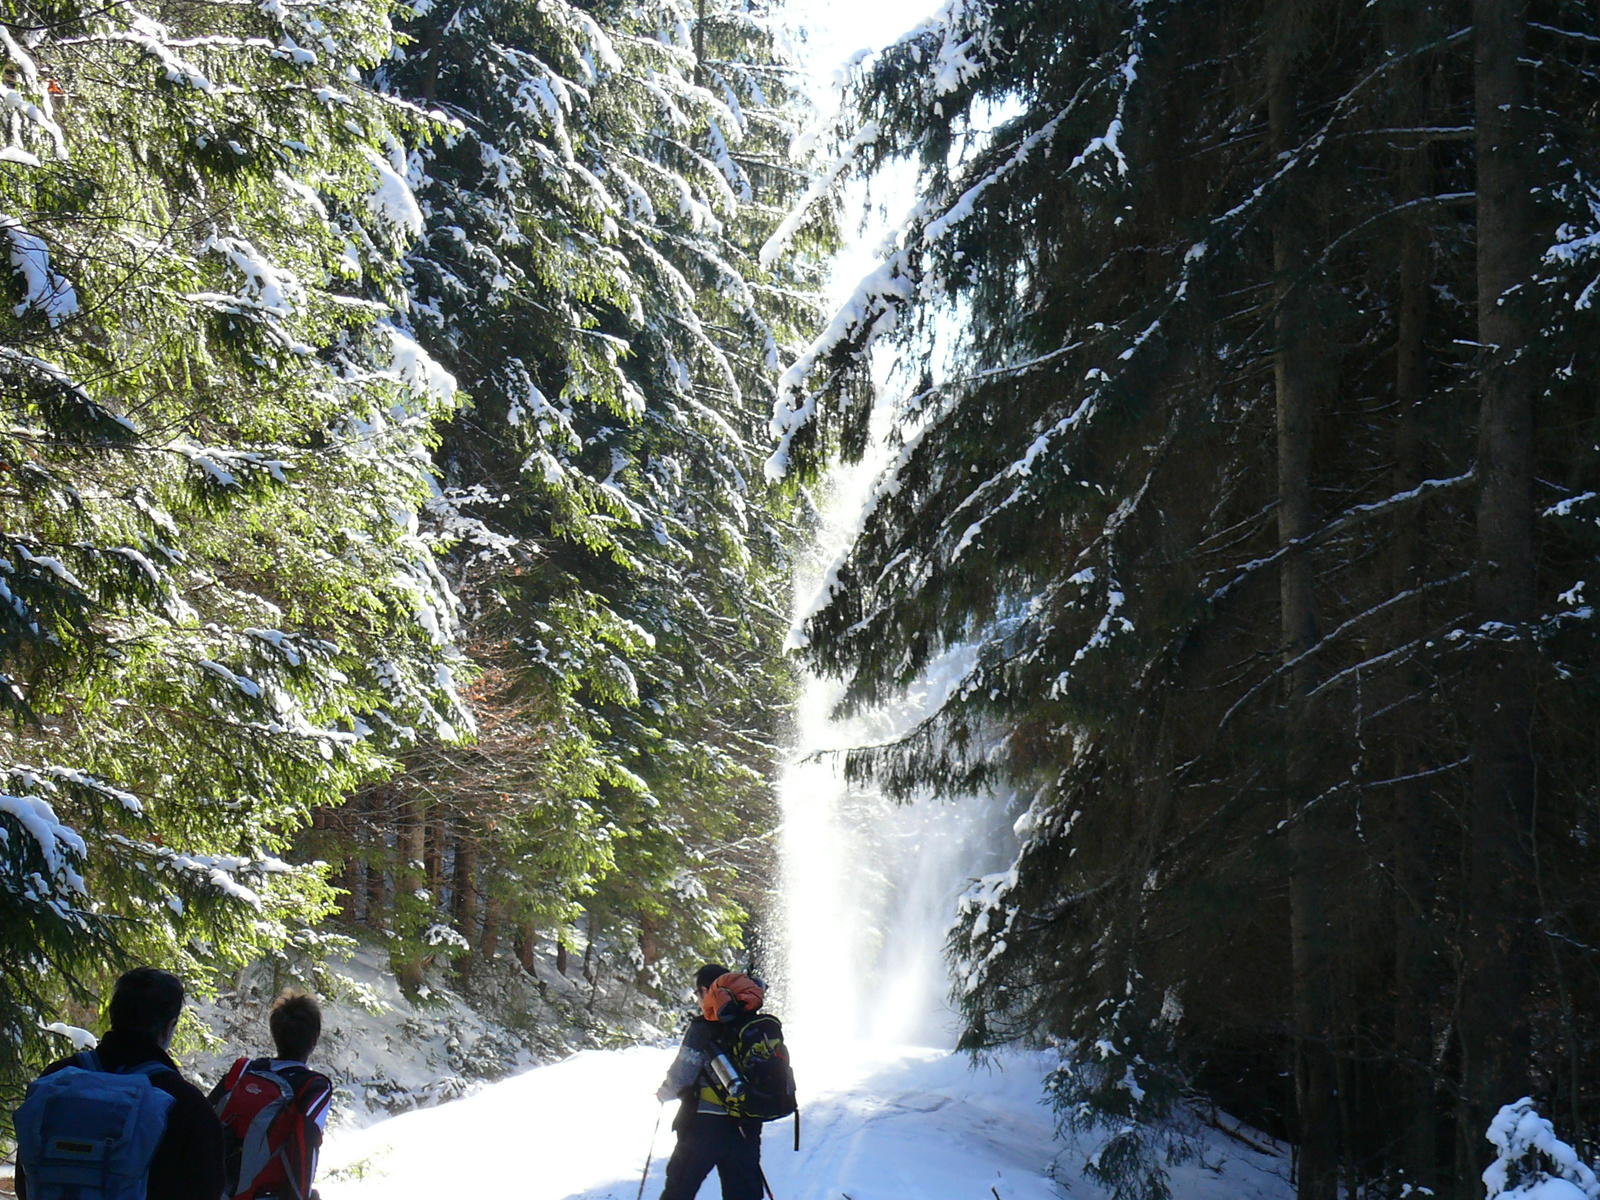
(756, 1047)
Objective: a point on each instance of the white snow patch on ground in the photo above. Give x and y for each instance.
(902, 1124)
(384, 1053)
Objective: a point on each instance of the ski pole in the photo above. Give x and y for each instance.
(766, 1185)
(652, 1152)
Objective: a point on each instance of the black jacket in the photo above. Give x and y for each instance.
(188, 1162)
(689, 1073)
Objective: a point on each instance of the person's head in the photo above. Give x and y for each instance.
(296, 1024)
(146, 1003)
(706, 976)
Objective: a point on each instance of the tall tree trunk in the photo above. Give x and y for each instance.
(350, 881)
(376, 808)
(1413, 1101)
(465, 907)
(527, 941)
(1409, 824)
(700, 45)
(433, 852)
(489, 943)
(1295, 376)
(432, 41)
(648, 947)
(1497, 955)
(411, 880)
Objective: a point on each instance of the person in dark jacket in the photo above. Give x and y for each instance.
(145, 1005)
(707, 1136)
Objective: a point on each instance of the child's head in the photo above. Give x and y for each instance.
(296, 1024)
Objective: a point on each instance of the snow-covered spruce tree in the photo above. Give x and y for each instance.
(591, 273)
(213, 434)
(1252, 396)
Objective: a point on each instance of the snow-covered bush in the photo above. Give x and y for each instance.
(1531, 1162)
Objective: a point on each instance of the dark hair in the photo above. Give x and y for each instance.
(708, 974)
(145, 1001)
(296, 1024)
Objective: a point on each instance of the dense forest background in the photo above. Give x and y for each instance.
(386, 551)
(1261, 469)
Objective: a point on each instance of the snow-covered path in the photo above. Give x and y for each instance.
(902, 1124)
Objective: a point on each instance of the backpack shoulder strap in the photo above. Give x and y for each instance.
(231, 1079)
(312, 1089)
(88, 1060)
(761, 1027)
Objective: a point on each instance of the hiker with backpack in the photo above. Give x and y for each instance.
(120, 1122)
(274, 1110)
(732, 1074)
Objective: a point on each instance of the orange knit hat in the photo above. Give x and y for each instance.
(731, 994)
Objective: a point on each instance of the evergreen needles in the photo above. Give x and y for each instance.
(1263, 480)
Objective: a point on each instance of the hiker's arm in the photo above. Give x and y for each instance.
(683, 1073)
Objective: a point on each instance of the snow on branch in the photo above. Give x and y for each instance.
(50, 780)
(1346, 520)
(1572, 248)
(40, 113)
(872, 312)
(151, 37)
(414, 367)
(58, 845)
(42, 288)
(391, 200)
(820, 187)
(219, 872)
(1531, 1162)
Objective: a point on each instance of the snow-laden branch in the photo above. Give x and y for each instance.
(820, 187)
(1350, 517)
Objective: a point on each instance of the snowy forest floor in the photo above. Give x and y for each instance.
(389, 1054)
(900, 1124)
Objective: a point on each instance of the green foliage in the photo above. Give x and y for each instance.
(591, 273)
(212, 434)
(1141, 225)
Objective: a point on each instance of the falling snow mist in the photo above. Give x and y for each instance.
(869, 886)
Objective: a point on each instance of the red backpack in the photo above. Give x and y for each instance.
(270, 1128)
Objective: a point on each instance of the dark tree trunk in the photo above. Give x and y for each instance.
(1497, 954)
(561, 956)
(433, 853)
(700, 45)
(465, 896)
(648, 947)
(351, 882)
(527, 940)
(1411, 878)
(376, 884)
(412, 879)
(489, 943)
(1296, 372)
(432, 42)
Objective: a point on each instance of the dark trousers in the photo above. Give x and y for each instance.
(732, 1146)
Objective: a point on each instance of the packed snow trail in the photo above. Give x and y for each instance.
(901, 1124)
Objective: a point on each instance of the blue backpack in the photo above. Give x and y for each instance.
(85, 1133)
